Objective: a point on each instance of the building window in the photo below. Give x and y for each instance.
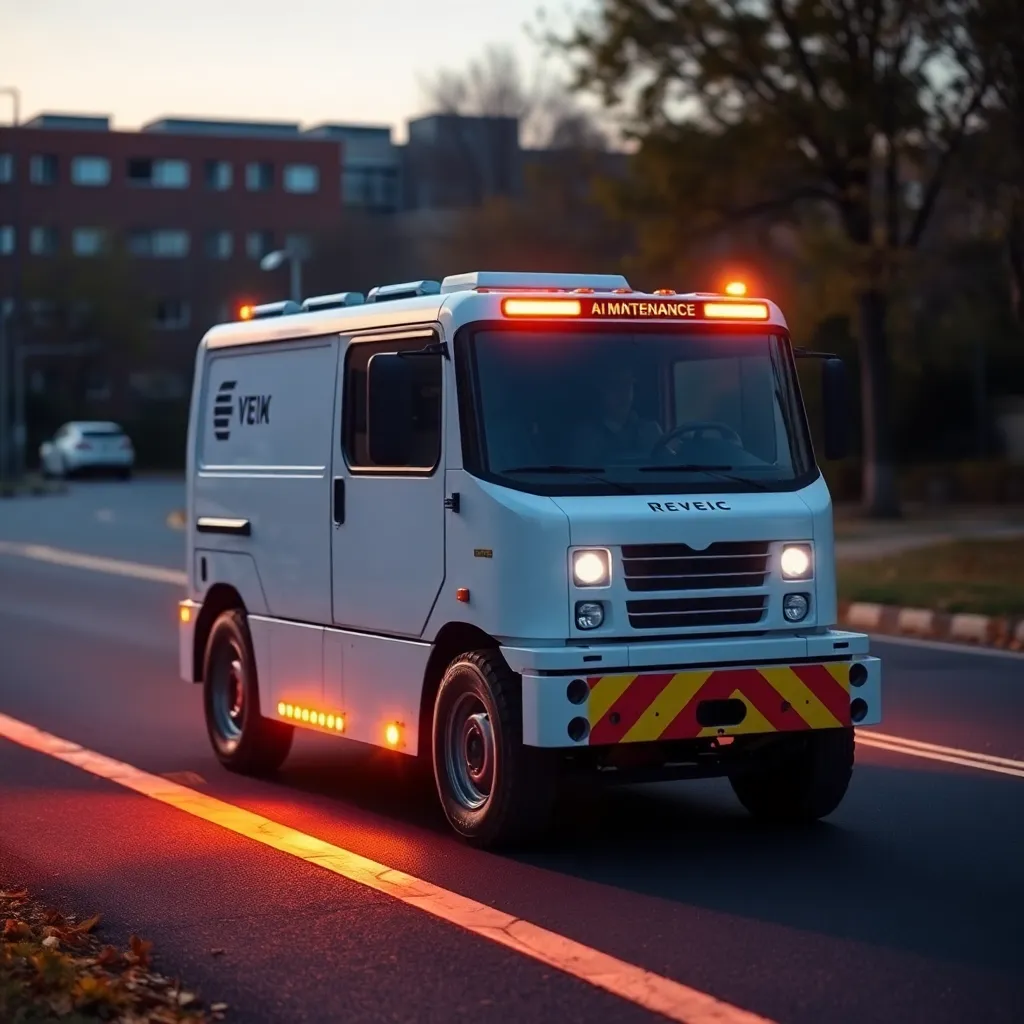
(259, 177)
(372, 188)
(6, 239)
(42, 312)
(42, 169)
(258, 244)
(218, 175)
(158, 173)
(42, 241)
(88, 241)
(301, 178)
(161, 244)
(90, 171)
(171, 315)
(219, 245)
(6, 168)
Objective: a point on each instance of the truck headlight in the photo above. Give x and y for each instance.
(797, 562)
(591, 567)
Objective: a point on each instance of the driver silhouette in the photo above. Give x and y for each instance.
(615, 430)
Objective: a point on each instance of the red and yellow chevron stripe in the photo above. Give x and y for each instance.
(635, 708)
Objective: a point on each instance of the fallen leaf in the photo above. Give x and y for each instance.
(218, 1007)
(185, 998)
(13, 894)
(15, 931)
(87, 926)
(108, 957)
(141, 949)
(51, 942)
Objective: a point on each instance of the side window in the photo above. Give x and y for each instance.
(419, 426)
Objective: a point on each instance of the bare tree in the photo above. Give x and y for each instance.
(496, 85)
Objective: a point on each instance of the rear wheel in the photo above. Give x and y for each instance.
(243, 740)
(124, 474)
(807, 782)
(494, 790)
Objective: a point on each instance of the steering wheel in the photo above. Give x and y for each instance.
(698, 429)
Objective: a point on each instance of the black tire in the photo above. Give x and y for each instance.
(243, 740)
(518, 790)
(124, 474)
(806, 783)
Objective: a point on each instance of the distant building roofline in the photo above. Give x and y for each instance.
(328, 128)
(177, 125)
(54, 120)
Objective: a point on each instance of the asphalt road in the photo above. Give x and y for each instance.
(907, 905)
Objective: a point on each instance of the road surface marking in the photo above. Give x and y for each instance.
(95, 563)
(949, 755)
(643, 988)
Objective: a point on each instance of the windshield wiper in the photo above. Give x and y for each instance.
(722, 472)
(594, 472)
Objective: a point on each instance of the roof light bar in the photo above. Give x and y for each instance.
(736, 310)
(541, 307)
(336, 301)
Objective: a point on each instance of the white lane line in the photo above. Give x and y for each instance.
(935, 748)
(95, 563)
(643, 988)
(965, 759)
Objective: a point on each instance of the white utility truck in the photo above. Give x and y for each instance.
(523, 526)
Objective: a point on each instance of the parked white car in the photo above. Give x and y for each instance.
(93, 447)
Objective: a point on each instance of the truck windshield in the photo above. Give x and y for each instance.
(589, 411)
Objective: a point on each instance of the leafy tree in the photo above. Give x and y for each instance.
(756, 108)
(997, 29)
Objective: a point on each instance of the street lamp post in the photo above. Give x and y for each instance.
(6, 343)
(294, 257)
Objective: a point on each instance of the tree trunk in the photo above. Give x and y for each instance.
(880, 493)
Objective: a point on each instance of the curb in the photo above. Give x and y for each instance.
(176, 519)
(924, 623)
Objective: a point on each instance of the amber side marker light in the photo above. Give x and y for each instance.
(185, 612)
(245, 313)
(392, 734)
(336, 723)
(541, 307)
(736, 310)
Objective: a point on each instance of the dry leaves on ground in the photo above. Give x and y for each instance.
(55, 968)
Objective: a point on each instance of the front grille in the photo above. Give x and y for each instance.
(695, 612)
(726, 565)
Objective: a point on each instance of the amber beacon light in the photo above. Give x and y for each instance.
(541, 307)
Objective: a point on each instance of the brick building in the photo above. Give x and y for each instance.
(180, 212)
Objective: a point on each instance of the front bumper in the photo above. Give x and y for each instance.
(692, 701)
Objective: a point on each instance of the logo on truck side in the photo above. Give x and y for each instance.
(252, 409)
(222, 407)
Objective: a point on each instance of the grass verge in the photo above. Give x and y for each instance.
(981, 576)
(53, 967)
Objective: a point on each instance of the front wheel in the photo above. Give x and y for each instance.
(808, 781)
(494, 790)
(243, 740)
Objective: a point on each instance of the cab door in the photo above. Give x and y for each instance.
(388, 529)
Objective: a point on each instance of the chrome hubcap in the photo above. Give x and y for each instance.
(228, 693)
(470, 752)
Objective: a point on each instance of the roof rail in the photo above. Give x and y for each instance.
(269, 309)
(408, 290)
(501, 281)
(317, 302)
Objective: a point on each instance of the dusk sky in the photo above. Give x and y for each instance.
(297, 60)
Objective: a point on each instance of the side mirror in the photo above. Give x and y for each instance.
(835, 397)
(398, 390)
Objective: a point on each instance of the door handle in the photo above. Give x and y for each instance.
(339, 501)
